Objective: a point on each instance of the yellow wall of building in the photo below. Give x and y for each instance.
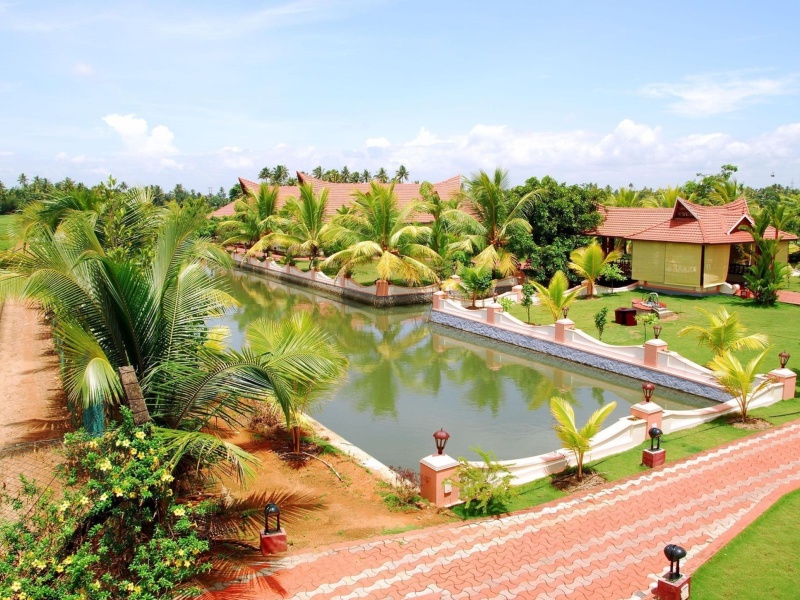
(682, 264)
(647, 261)
(715, 265)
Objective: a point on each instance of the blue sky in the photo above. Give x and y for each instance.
(202, 92)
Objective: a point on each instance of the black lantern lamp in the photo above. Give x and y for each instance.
(784, 358)
(655, 438)
(648, 389)
(441, 438)
(565, 311)
(272, 509)
(674, 554)
(656, 330)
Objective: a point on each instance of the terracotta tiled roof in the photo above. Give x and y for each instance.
(686, 223)
(341, 194)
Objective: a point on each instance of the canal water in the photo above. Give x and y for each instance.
(408, 377)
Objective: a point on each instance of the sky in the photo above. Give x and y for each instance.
(202, 92)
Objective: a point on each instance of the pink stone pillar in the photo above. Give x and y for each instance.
(789, 380)
(491, 311)
(649, 412)
(434, 470)
(651, 350)
(382, 287)
(517, 289)
(561, 327)
(437, 300)
(313, 273)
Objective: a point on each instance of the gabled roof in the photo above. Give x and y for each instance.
(341, 194)
(687, 223)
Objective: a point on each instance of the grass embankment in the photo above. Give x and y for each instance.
(761, 562)
(678, 445)
(776, 322)
(363, 275)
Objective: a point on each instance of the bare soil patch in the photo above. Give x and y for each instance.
(751, 424)
(317, 508)
(570, 483)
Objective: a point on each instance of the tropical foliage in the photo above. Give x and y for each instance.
(484, 488)
(724, 332)
(575, 439)
(473, 281)
(590, 262)
(556, 295)
(256, 216)
(378, 231)
(497, 215)
(738, 380)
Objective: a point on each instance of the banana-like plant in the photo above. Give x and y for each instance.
(555, 296)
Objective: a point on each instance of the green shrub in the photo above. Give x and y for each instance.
(115, 533)
(485, 489)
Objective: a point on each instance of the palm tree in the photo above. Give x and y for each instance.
(265, 174)
(625, 197)
(317, 172)
(725, 192)
(589, 263)
(738, 380)
(382, 176)
(401, 174)
(150, 312)
(474, 281)
(279, 174)
(345, 174)
(366, 176)
(577, 440)
(664, 198)
(273, 338)
(724, 332)
(256, 215)
(445, 213)
(497, 216)
(304, 232)
(379, 232)
(555, 296)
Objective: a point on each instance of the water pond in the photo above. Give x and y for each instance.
(408, 377)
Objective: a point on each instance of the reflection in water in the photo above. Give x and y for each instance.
(408, 378)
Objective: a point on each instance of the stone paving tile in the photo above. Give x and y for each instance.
(606, 543)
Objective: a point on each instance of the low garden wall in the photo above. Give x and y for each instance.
(378, 295)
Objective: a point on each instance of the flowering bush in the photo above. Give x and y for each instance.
(116, 532)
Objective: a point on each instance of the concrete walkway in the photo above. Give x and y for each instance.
(607, 543)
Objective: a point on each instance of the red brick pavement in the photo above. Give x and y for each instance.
(603, 544)
(788, 297)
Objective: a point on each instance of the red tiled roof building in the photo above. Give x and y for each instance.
(686, 248)
(341, 194)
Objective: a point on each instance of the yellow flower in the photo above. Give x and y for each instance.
(167, 477)
(105, 465)
(125, 443)
(187, 563)
(179, 511)
(118, 491)
(68, 560)
(134, 451)
(103, 498)
(63, 506)
(60, 569)
(140, 435)
(39, 564)
(84, 501)
(16, 586)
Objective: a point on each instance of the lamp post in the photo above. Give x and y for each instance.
(647, 390)
(441, 438)
(674, 554)
(273, 539)
(565, 311)
(656, 330)
(784, 358)
(655, 438)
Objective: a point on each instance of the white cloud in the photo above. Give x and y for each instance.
(83, 70)
(379, 142)
(6, 153)
(154, 143)
(76, 160)
(705, 95)
(235, 158)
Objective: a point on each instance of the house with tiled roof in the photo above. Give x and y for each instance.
(688, 248)
(341, 194)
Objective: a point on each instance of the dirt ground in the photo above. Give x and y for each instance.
(316, 507)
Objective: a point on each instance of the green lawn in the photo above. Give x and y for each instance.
(5, 224)
(364, 275)
(761, 562)
(777, 322)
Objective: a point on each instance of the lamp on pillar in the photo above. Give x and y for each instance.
(654, 456)
(784, 358)
(648, 389)
(441, 438)
(674, 585)
(565, 311)
(657, 330)
(273, 539)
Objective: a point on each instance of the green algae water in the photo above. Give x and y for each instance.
(408, 377)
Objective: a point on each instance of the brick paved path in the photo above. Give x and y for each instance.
(605, 544)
